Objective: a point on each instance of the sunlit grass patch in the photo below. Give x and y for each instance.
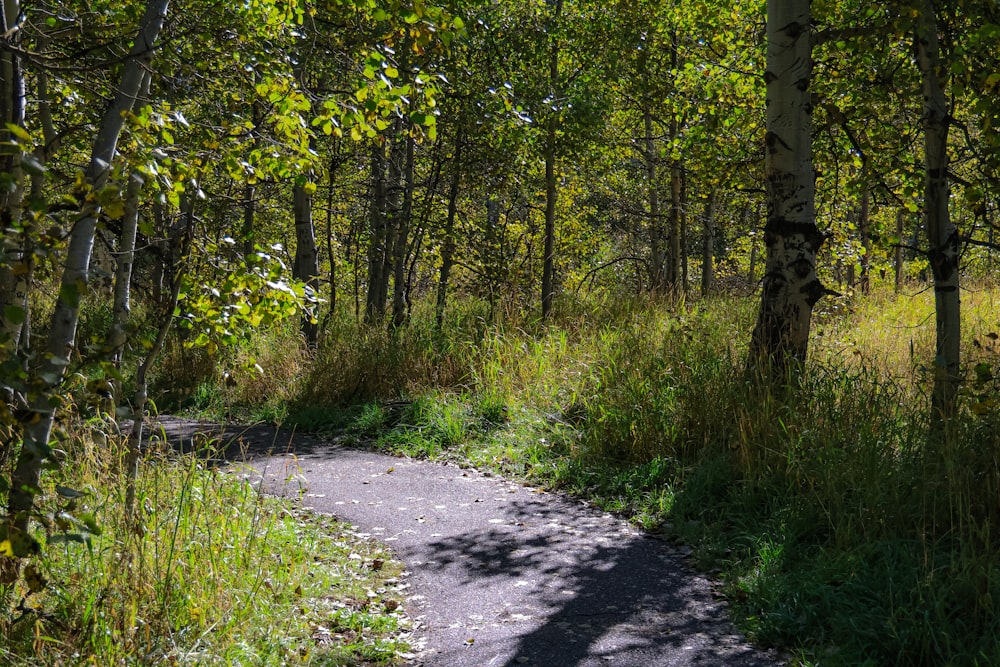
(840, 530)
(211, 573)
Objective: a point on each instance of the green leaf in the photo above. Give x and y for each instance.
(14, 314)
(18, 544)
(90, 522)
(70, 295)
(18, 131)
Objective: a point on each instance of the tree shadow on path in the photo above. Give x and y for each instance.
(596, 598)
(509, 577)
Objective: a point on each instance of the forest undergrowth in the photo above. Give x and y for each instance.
(206, 571)
(842, 531)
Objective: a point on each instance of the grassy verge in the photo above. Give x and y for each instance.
(210, 573)
(841, 531)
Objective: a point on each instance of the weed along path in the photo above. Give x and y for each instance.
(502, 575)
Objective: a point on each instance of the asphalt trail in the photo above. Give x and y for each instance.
(502, 575)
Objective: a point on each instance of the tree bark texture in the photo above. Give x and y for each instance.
(14, 260)
(377, 245)
(656, 277)
(898, 259)
(551, 191)
(121, 310)
(76, 273)
(399, 251)
(944, 244)
(790, 286)
(306, 266)
(673, 275)
(448, 245)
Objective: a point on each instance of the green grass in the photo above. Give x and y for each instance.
(211, 573)
(840, 530)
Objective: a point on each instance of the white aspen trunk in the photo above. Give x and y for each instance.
(941, 233)
(122, 298)
(122, 303)
(62, 333)
(399, 254)
(790, 285)
(682, 238)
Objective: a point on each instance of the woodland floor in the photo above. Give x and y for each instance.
(501, 574)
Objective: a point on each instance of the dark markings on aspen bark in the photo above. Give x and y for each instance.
(793, 29)
(772, 140)
(781, 227)
(802, 84)
(814, 291)
(802, 267)
(769, 76)
(935, 174)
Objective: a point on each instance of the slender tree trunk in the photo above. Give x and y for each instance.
(13, 258)
(656, 278)
(249, 208)
(864, 231)
(674, 222)
(76, 273)
(399, 253)
(548, 260)
(377, 249)
(941, 233)
(708, 245)
(180, 248)
(448, 246)
(495, 270)
(848, 268)
(683, 235)
(122, 297)
(790, 287)
(306, 267)
(551, 192)
(330, 244)
(900, 220)
(122, 300)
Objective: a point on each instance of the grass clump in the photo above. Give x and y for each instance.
(208, 572)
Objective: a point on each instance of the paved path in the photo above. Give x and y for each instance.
(503, 575)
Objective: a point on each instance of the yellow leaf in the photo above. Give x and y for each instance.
(6, 549)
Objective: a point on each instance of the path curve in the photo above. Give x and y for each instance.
(503, 575)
